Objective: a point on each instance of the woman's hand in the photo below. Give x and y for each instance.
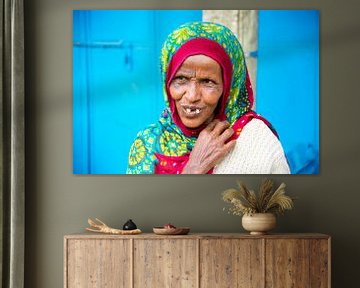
(210, 148)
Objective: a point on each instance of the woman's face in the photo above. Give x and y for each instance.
(196, 89)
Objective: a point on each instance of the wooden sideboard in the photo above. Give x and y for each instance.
(197, 260)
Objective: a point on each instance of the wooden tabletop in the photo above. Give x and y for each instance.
(89, 235)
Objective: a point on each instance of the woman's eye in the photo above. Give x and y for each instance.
(180, 80)
(208, 82)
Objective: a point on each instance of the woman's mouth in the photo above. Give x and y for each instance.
(191, 111)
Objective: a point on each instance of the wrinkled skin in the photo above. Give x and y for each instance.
(196, 89)
(210, 148)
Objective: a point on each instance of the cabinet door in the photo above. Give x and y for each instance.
(98, 263)
(297, 263)
(230, 263)
(320, 263)
(165, 263)
(287, 263)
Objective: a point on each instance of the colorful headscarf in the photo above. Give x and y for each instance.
(164, 147)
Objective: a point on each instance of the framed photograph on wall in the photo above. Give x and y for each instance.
(196, 91)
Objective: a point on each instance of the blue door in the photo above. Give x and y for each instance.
(116, 82)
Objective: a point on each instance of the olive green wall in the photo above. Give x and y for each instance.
(58, 203)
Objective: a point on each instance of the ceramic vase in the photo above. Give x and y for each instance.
(259, 223)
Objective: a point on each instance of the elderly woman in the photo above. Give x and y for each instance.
(208, 125)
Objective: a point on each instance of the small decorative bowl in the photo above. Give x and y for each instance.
(171, 231)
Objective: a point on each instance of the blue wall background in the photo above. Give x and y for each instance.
(288, 82)
(116, 81)
(117, 85)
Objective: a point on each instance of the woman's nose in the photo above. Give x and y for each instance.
(193, 92)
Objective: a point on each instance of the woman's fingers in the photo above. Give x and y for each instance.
(220, 127)
(226, 134)
(210, 147)
(217, 127)
(210, 127)
(226, 149)
(216, 134)
(229, 146)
